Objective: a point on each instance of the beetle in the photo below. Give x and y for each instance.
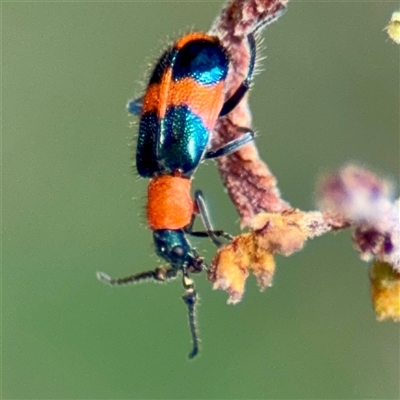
(184, 98)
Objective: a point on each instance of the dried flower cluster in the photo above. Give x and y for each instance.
(365, 200)
(351, 198)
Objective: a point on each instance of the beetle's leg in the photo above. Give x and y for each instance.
(235, 99)
(158, 275)
(232, 146)
(218, 233)
(205, 218)
(272, 18)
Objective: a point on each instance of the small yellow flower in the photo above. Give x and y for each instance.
(385, 291)
(393, 29)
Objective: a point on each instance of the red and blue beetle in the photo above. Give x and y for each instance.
(184, 98)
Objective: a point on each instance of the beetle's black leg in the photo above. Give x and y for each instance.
(204, 234)
(205, 218)
(235, 99)
(190, 298)
(218, 233)
(157, 275)
(270, 19)
(231, 147)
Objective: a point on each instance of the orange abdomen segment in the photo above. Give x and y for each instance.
(169, 204)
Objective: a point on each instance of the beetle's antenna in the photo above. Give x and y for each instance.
(190, 298)
(157, 275)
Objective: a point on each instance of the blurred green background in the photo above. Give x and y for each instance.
(329, 94)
